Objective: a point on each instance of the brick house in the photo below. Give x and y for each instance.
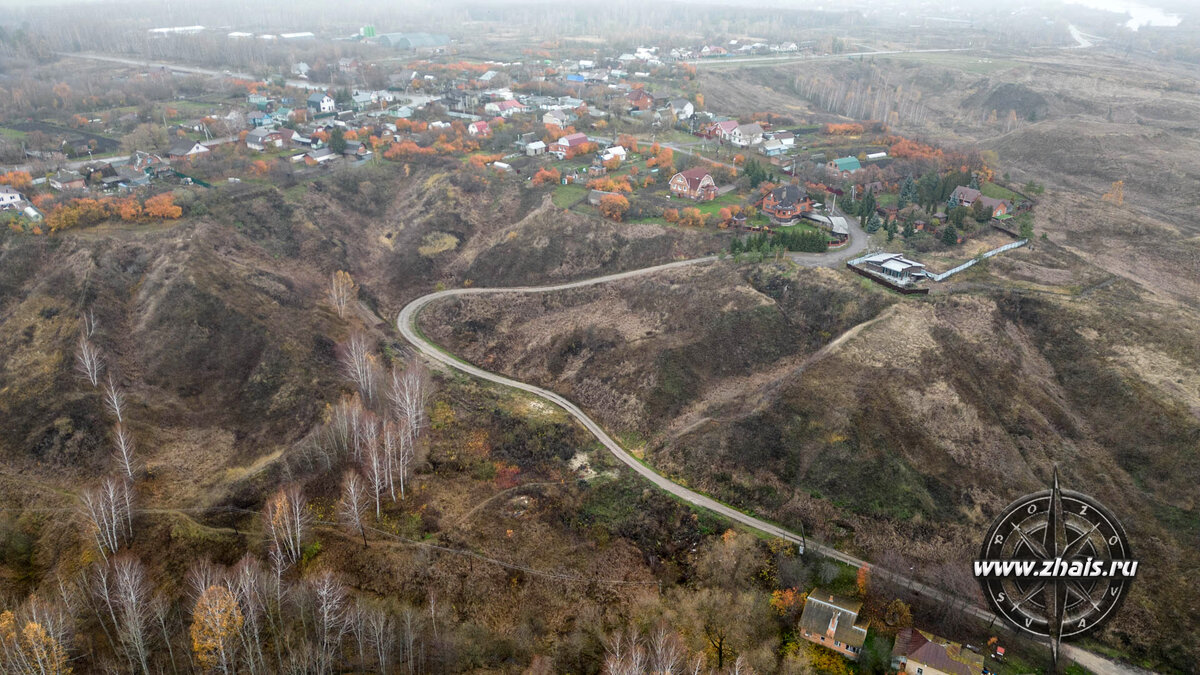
(640, 99)
(833, 622)
(965, 196)
(786, 204)
(694, 183)
(568, 145)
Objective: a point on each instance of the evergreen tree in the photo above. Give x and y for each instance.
(909, 229)
(337, 140)
(950, 235)
(891, 230)
(908, 193)
(874, 223)
(974, 181)
(866, 208)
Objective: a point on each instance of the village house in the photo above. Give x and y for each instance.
(615, 151)
(479, 128)
(535, 148)
(694, 183)
(722, 130)
(361, 101)
(842, 167)
(321, 103)
(504, 109)
(772, 148)
(558, 118)
(682, 108)
(787, 138)
(10, 198)
(67, 180)
(319, 156)
(919, 653)
(894, 267)
(568, 145)
(786, 204)
(186, 149)
(745, 135)
(833, 622)
(261, 139)
(640, 99)
(965, 196)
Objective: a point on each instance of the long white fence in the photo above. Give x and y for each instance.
(948, 273)
(972, 261)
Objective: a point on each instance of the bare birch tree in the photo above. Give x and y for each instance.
(114, 400)
(666, 650)
(88, 360)
(134, 601)
(409, 391)
(381, 637)
(331, 604)
(360, 366)
(374, 462)
(354, 502)
(248, 582)
(123, 451)
(406, 453)
(286, 522)
(107, 510)
(342, 291)
(624, 653)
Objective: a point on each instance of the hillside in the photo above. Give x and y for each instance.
(904, 438)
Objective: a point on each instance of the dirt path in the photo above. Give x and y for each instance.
(406, 323)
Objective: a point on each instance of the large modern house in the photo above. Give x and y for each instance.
(833, 622)
(786, 204)
(694, 183)
(894, 267)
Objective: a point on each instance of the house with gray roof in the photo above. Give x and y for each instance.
(833, 622)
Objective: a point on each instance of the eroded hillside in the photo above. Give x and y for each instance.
(906, 435)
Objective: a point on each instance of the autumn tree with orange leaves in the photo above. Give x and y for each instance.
(614, 206)
(547, 176)
(162, 206)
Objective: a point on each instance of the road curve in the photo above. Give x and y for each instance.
(406, 324)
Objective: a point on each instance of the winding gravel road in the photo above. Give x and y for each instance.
(406, 324)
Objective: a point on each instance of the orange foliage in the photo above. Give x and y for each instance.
(480, 161)
(692, 217)
(613, 164)
(162, 206)
(20, 180)
(671, 215)
(628, 142)
(259, 167)
(614, 206)
(610, 184)
(128, 209)
(739, 160)
(849, 129)
(904, 148)
(544, 176)
(786, 601)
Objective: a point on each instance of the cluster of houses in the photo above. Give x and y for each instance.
(834, 623)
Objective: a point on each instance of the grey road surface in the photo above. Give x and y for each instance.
(406, 324)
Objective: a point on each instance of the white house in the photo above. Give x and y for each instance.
(9, 197)
(557, 118)
(615, 151)
(321, 102)
(682, 108)
(745, 135)
(479, 128)
(535, 148)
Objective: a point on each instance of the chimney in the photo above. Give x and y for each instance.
(833, 623)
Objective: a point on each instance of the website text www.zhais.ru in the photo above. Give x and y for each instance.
(1056, 568)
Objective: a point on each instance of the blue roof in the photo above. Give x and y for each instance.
(575, 78)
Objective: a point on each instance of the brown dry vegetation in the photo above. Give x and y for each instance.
(907, 436)
(218, 330)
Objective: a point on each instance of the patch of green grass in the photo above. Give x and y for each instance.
(964, 61)
(12, 134)
(999, 192)
(566, 195)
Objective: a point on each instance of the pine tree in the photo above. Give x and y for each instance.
(950, 235)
